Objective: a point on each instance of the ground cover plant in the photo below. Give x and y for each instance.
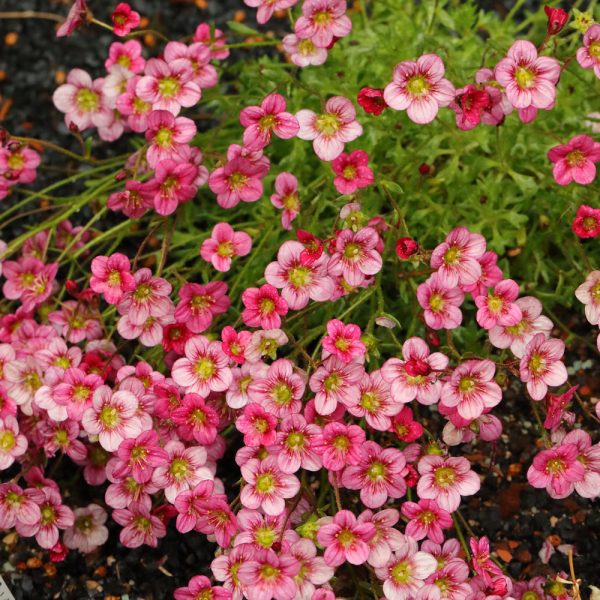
(322, 299)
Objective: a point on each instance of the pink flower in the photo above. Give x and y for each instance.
(303, 52)
(322, 20)
(299, 282)
(491, 275)
(234, 343)
(264, 307)
(139, 456)
(149, 298)
(339, 445)
(452, 578)
(471, 388)
(88, 532)
(375, 402)
(112, 417)
(127, 54)
(586, 223)
(589, 457)
(419, 88)
(345, 539)
(204, 367)
(239, 179)
(469, 106)
(18, 505)
(173, 183)
(541, 365)
(267, 486)
(200, 587)
(575, 161)
(440, 303)
(557, 469)
(378, 475)
(139, 525)
(82, 101)
(555, 408)
(130, 105)
(518, 336)
(185, 468)
(295, 443)
(268, 575)
(445, 480)
(336, 126)
(333, 382)
(199, 304)
(356, 256)
(417, 376)
(280, 391)
(406, 571)
(457, 258)
(588, 293)
(223, 245)
(53, 516)
(257, 425)
(352, 172)
(18, 163)
(133, 201)
(499, 308)
(371, 100)
(124, 19)
(28, 280)
(405, 427)
(78, 15)
(111, 276)
(343, 341)
(529, 80)
(427, 519)
(588, 56)
(166, 135)
(269, 117)
(212, 38)
(286, 197)
(12, 443)
(482, 564)
(195, 420)
(168, 86)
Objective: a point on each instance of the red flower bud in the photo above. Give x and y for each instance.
(557, 18)
(424, 169)
(371, 99)
(58, 552)
(406, 247)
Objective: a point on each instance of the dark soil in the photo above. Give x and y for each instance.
(516, 518)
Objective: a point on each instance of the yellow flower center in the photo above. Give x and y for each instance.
(376, 472)
(87, 100)
(436, 302)
(168, 87)
(466, 384)
(537, 363)
(16, 162)
(525, 77)
(282, 393)
(265, 483)
(328, 123)
(225, 249)
(109, 416)
(401, 573)
(299, 276)
(237, 180)
(555, 466)
(417, 86)
(7, 441)
(205, 368)
(345, 537)
(179, 468)
(445, 476)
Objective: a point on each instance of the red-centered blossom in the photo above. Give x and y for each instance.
(270, 117)
(557, 469)
(419, 88)
(378, 475)
(299, 282)
(303, 52)
(588, 56)
(224, 244)
(204, 367)
(541, 365)
(199, 304)
(499, 307)
(588, 293)
(529, 80)
(330, 130)
(406, 247)
(440, 303)
(586, 223)
(371, 100)
(345, 539)
(263, 307)
(469, 105)
(286, 198)
(417, 375)
(124, 19)
(405, 427)
(257, 425)
(575, 161)
(322, 20)
(445, 480)
(352, 172)
(557, 18)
